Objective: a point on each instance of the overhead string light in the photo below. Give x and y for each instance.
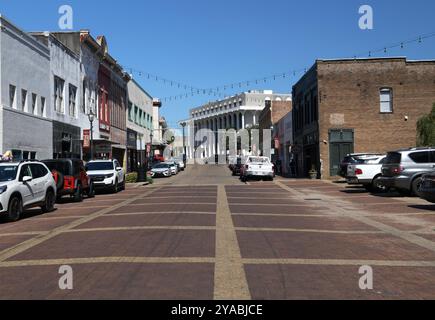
(221, 91)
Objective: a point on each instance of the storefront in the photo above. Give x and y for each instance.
(66, 141)
(132, 153)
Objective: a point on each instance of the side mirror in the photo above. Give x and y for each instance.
(118, 168)
(27, 179)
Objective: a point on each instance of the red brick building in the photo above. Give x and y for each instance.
(112, 81)
(358, 105)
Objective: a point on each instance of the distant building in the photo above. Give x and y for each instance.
(139, 124)
(26, 127)
(238, 112)
(283, 143)
(270, 116)
(358, 105)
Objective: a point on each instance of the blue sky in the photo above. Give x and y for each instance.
(209, 43)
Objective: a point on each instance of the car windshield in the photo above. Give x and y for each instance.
(8, 173)
(99, 166)
(160, 166)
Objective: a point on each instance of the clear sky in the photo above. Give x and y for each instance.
(209, 43)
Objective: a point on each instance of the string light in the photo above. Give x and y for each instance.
(215, 91)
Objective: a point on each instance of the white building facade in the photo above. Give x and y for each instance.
(140, 124)
(26, 127)
(237, 112)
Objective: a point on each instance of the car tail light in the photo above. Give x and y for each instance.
(68, 183)
(358, 172)
(55, 176)
(398, 170)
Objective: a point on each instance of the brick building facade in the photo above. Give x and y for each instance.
(273, 112)
(358, 105)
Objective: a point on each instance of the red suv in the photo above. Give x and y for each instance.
(71, 178)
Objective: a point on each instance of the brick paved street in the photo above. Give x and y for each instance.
(203, 234)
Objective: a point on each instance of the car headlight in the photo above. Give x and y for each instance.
(3, 189)
(109, 175)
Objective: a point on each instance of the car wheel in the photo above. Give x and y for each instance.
(91, 191)
(416, 187)
(376, 186)
(15, 209)
(78, 195)
(115, 187)
(49, 202)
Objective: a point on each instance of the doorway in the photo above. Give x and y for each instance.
(341, 143)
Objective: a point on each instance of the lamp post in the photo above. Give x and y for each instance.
(151, 149)
(183, 125)
(91, 117)
(141, 174)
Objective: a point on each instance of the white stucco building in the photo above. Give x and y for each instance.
(237, 112)
(25, 98)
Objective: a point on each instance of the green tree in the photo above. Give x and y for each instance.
(426, 130)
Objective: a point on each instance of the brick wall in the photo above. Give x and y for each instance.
(349, 98)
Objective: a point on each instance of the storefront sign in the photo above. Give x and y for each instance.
(86, 138)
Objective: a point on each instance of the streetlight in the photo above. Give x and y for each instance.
(183, 125)
(91, 117)
(151, 149)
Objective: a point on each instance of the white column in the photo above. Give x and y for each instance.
(243, 120)
(254, 118)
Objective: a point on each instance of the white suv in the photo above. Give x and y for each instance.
(106, 174)
(24, 185)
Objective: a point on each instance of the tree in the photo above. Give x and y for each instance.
(426, 130)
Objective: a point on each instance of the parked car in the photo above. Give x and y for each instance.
(161, 170)
(24, 185)
(257, 167)
(354, 158)
(367, 174)
(174, 167)
(71, 178)
(106, 174)
(427, 187)
(404, 169)
(180, 163)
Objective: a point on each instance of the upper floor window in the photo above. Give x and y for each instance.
(34, 104)
(130, 110)
(43, 112)
(84, 96)
(12, 95)
(72, 100)
(58, 94)
(24, 100)
(386, 98)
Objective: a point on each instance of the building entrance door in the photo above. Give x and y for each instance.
(341, 143)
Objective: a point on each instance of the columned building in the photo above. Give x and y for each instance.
(238, 112)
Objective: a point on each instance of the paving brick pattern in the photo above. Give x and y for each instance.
(205, 235)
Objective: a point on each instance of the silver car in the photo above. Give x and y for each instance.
(403, 169)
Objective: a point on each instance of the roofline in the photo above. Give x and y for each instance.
(141, 88)
(28, 37)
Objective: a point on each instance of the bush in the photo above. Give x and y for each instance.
(426, 130)
(131, 177)
(150, 179)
